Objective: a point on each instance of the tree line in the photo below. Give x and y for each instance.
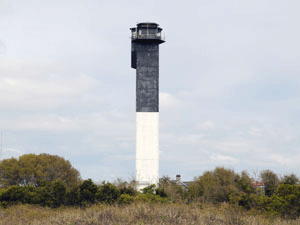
(51, 181)
(280, 197)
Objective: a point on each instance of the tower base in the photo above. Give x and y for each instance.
(147, 149)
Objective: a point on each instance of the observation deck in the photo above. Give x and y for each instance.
(147, 33)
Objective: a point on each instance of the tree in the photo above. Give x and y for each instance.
(108, 193)
(290, 179)
(214, 186)
(169, 188)
(31, 169)
(58, 193)
(88, 192)
(286, 200)
(9, 172)
(244, 183)
(271, 181)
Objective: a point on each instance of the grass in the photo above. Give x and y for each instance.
(136, 213)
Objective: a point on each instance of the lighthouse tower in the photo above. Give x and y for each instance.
(145, 40)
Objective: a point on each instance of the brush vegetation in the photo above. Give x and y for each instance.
(138, 213)
(220, 196)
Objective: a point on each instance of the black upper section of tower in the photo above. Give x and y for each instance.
(145, 41)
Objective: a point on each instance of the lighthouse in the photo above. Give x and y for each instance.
(145, 41)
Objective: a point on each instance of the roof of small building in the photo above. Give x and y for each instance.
(258, 184)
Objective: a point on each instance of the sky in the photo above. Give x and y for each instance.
(229, 84)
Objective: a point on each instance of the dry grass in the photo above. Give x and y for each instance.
(136, 213)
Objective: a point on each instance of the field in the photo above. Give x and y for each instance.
(136, 213)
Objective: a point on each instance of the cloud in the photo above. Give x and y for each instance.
(286, 160)
(255, 131)
(167, 100)
(206, 126)
(56, 122)
(5, 9)
(26, 85)
(2, 48)
(189, 138)
(223, 159)
(280, 159)
(11, 152)
(231, 144)
(246, 144)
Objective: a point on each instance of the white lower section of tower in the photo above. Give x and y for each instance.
(147, 149)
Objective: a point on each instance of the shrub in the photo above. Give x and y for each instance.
(126, 199)
(88, 192)
(151, 198)
(12, 195)
(128, 190)
(57, 193)
(73, 196)
(286, 201)
(108, 193)
(171, 190)
(149, 190)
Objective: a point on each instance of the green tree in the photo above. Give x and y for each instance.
(58, 193)
(108, 193)
(9, 172)
(244, 183)
(169, 188)
(290, 179)
(271, 181)
(128, 190)
(17, 194)
(149, 189)
(30, 169)
(246, 195)
(88, 192)
(73, 196)
(214, 186)
(286, 201)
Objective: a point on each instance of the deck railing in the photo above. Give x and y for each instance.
(147, 36)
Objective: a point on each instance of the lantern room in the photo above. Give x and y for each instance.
(147, 32)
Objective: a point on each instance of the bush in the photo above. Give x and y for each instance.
(42, 196)
(57, 193)
(13, 194)
(247, 201)
(286, 201)
(168, 188)
(88, 192)
(151, 198)
(126, 199)
(128, 190)
(108, 193)
(73, 196)
(149, 190)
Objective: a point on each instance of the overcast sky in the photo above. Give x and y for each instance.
(229, 84)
